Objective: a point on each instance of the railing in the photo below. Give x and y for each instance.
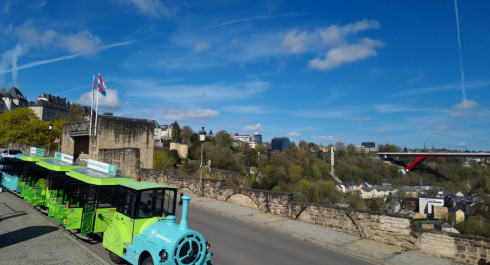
(81, 128)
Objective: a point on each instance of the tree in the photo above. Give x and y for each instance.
(174, 155)
(388, 148)
(175, 135)
(186, 133)
(356, 201)
(22, 125)
(76, 113)
(222, 138)
(162, 160)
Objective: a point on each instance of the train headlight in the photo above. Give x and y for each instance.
(163, 255)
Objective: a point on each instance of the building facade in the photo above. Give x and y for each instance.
(251, 140)
(280, 143)
(12, 99)
(48, 107)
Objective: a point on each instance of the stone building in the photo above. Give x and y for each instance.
(47, 107)
(455, 216)
(182, 149)
(12, 99)
(125, 142)
(440, 212)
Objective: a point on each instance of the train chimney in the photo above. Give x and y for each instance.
(185, 207)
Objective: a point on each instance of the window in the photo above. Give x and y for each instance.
(126, 199)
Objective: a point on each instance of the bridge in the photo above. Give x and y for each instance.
(422, 156)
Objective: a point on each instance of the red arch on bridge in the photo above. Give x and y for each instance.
(422, 156)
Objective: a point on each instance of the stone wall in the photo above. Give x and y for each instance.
(126, 160)
(461, 248)
(182, 149)
(120, 133)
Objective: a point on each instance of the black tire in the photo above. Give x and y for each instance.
(115, 258)
(147, 261)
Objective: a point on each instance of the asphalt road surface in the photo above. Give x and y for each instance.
(239, 243)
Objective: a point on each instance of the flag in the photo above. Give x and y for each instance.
(101, 85)
(94, 84)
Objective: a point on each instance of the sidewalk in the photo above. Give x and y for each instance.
(365, 249)
(28, 238)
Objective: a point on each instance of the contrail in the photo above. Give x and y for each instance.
(460, 50)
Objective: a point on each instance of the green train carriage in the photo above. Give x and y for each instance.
(89, 199)
(54, 172)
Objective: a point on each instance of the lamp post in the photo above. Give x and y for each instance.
(202, 138)
(50, 129)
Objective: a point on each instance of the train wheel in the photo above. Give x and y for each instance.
(147, 261)
(115, 258)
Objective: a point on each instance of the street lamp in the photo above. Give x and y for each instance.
(202, 138)
(50, 129)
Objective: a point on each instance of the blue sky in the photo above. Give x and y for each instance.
(382, 71)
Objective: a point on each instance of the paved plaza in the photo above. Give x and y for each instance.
(26, 237)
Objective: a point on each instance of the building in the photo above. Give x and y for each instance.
(162, 133)
(426, 204)
(280, 143)
(121, 141)
(48, 107)
(12, 99)
(455, 216)
(368, 144)
(182, 149)
(411, 203)
(440, 212)
(375, 191)
(251, 140)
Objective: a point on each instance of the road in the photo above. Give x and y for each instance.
(238, 243)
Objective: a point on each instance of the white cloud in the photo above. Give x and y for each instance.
(83, 42)
(201, 46)
(152, 8)
(197, 93)
(295, 42)
(109, 102)
(247, 109)
(293, 134)
(462, 145)
(368, 118)
(461, 114)
(182, 115)
(332, 36)
(253, 127)
(467, 104)
(346, 54)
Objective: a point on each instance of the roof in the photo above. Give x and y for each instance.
(31, 157)
(95, 177)
(144, 185)
(57, 165)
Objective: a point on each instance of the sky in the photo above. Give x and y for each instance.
(409, 73)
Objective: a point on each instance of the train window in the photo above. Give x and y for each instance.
(125, 201)
(169, 202)
(107, 197)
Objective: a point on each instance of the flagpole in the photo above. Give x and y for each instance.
(96, 112)
(92, 105)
